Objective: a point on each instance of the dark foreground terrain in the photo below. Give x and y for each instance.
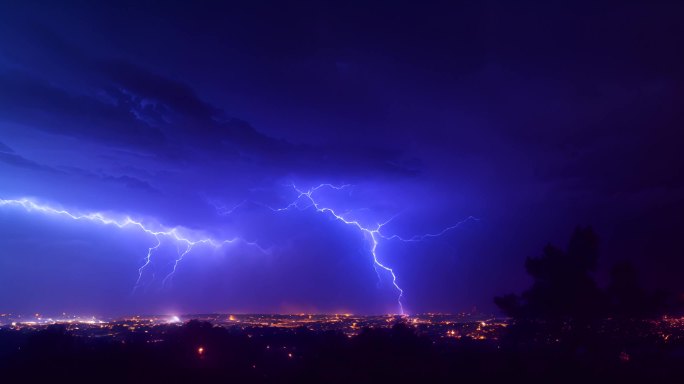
(201, 352)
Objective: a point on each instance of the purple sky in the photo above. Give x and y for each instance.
(531, 118)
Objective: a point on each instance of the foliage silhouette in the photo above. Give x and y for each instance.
(563, 284)
(564, 288)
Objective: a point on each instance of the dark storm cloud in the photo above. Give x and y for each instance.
(125, 180)
(4, 148)
(8, 157)
(178, 111)
(130, 182)
(22, 162)
(138, 108)
(176, 96)
(532, 117)
(41, 105)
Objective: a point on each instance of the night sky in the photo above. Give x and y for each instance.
(523, 120)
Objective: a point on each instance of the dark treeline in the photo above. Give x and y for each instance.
(565, 304)
(395, 355)
(564, 328)
(564, 287)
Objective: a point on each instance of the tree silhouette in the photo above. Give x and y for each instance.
(627, 299)
(564, 287)
(563, 283)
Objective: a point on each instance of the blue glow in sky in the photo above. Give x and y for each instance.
(202, 119)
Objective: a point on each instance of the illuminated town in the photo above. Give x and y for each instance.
(435, 326)
(341, 192)
(444, 327)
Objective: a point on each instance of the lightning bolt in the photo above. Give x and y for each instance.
(224, 210)
(373, 234)
(418, 238)
(148, 260)
(189, 238)
(168, 277)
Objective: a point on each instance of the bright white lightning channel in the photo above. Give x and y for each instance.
(373, 234)
(186, 240)
(183, 237)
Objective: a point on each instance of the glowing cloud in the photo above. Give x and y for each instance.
(187, 240)
(181, 236)
(373, 234)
